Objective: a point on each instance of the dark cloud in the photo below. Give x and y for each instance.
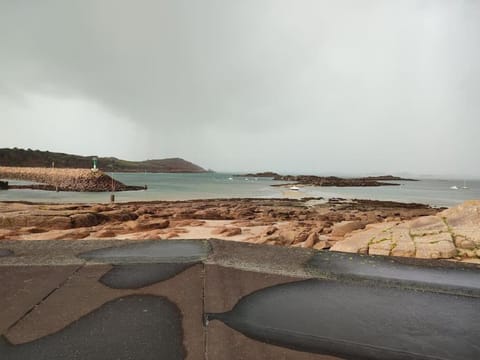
(304, 85)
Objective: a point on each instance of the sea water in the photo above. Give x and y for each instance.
(220, 185)
(434, 192)
(163, 186)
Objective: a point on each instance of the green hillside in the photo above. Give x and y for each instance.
(37, 158)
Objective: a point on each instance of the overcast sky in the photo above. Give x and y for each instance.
(309, 86)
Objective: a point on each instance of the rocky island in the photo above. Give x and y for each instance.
(265, 174)
(312, 180)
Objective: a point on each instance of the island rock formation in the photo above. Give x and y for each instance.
(312, 180)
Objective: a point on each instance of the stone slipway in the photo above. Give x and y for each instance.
(212, 299)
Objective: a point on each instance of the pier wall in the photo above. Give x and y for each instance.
(212, 299)
(64, 179)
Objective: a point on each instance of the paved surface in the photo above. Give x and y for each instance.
(361, 322)
(133, 327)
(438, 276)
(151, 251)
(210, 299)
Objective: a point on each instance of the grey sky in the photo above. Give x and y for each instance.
(306, 86)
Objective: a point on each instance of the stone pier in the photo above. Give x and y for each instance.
(64, 179)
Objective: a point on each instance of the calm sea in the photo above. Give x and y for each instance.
(218, 185)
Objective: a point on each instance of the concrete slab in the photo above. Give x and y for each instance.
(83, 294)
(130, 327)
(359, 321)
(223, 298)
(6, 252)
(413, 273)
(53, 252)
(180, 251)
(260, 258)
(24, 287)
(226, 343)
(263, 302)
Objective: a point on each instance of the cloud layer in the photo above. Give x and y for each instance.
(298, 86)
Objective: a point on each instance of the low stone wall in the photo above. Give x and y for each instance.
(65, 179)
(211, 299)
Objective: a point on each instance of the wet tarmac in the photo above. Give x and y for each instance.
(6, 252)
(180, 251)
(136, 276)
(357, 321)
(304, 302)
(420, 274)
(132, 327)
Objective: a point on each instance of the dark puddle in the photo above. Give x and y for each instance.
(402, 272)
(6, 252)
(133, 327)
(158, 251)
(354, 321)
(136, 276)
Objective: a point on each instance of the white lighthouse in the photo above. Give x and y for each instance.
(94, 168)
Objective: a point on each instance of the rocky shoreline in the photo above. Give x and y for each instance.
(360, 226)
(54, 179)
(313, 180)
(357, 226)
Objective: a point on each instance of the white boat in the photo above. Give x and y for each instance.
(464, 185)
(294, 188)
(230, 178)
(454, 187)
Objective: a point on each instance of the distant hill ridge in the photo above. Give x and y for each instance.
(37, 158)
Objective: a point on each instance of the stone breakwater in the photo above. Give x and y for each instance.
(64, 179)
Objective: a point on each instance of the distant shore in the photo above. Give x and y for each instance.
(313, 180)
(53, 179)
(37, 158)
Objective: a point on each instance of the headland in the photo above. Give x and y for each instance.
(35, 158)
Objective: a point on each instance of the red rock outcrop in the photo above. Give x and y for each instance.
(452, 233)
(361, 226)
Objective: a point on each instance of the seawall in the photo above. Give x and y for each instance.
(211, 299)
(64, 179)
